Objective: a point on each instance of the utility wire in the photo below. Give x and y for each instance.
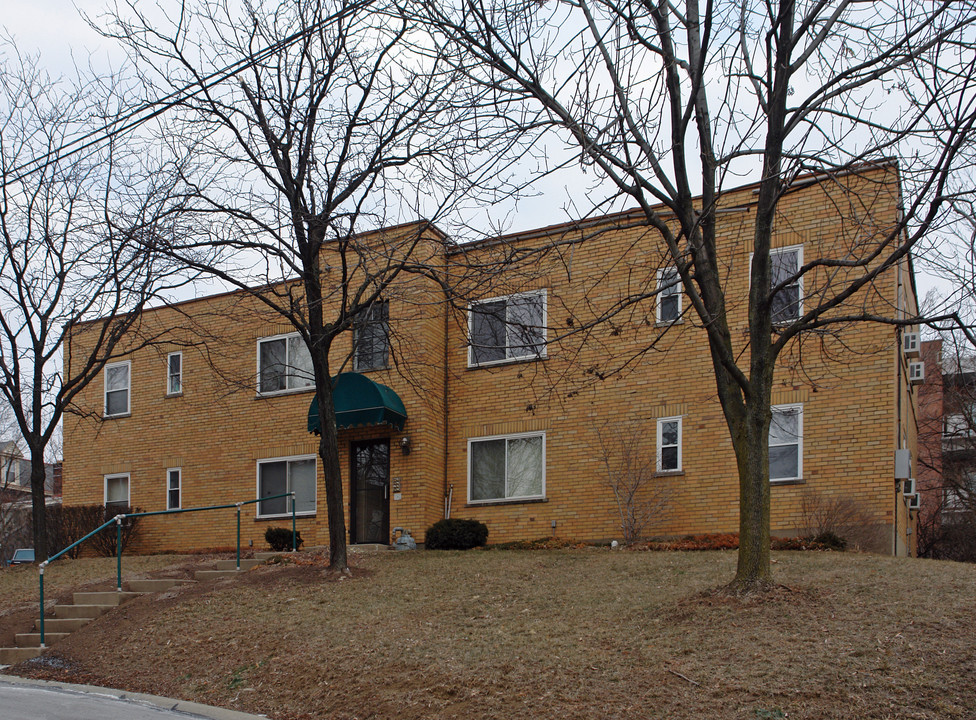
(147, 111)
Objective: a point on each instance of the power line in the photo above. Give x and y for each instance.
(147, 111)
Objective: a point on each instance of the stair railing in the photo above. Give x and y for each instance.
(120, 518)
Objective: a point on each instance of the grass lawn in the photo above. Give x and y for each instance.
(552, 634)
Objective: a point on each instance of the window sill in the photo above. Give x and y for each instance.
(117, 416)
(174, 395)
(280, 393)
(668, 323)
(286, 516)
(513, 501)
(793, 481)
(509, 361)
(378, 368)
(669, 473)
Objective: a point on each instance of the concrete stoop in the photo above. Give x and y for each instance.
(89, 605)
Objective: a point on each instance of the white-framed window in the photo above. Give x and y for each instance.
(786, 443)
(174, 373)
(507, 467)
(669, 444)
(117, 377)
(668, 295)
(371, 338)
(505, 329)
(117, 490)
(787, 304)
(174, 484)
(281, 475)
(284, 364)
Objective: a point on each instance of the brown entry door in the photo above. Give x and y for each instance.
(370, 496)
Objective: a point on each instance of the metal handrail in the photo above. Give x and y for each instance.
(118, 520)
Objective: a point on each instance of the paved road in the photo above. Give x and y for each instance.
(38, 700)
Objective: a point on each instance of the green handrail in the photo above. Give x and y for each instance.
(118, 519)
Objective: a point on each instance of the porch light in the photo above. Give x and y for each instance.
(405, 444)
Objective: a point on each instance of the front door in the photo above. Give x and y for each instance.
(369, 501)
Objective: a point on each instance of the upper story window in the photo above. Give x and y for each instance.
(669, 444)
(117, 388)
(174, 373)
(507, 329)
(786, 443)
(511, 467)
(371, 338)
(668, 295)
(787, 304)
(283, 364)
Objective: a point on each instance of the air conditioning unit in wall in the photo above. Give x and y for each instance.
(910, 344)
(909, 488)
(916, 371)
(915, 502)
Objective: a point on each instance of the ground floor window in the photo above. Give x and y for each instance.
(117, 490)
(786, 443)
(669, 444)
(173, 484)
(506, 468)
(281, 475)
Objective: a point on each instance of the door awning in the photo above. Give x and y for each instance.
(360, 402)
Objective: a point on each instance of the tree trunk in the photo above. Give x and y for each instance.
(751, 444)
(329, 453)
(38, 506)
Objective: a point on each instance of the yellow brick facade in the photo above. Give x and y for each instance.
(851, 384)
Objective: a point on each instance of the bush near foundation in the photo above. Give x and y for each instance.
(279, 539)
(456, 534)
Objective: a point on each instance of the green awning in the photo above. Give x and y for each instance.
(360, 402)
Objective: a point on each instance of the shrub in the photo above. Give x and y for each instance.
(830, 540)
(279, 539)
(70, 523)
(456, 534)
(105, 542)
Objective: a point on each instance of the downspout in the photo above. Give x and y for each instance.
(446, 409)
(898, 390)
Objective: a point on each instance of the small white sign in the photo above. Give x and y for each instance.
(397, 496)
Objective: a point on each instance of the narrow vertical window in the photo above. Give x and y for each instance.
(668, 295)
(117, 389)
(174, 477)
(787, 304)
(786, 443)
(371, 338)
(669, 444)
(174, 373)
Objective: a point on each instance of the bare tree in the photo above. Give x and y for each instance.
(673, 103)
(329, 127)
(73, 232)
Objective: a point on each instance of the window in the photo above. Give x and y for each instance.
(117, 490)
(173, 478)
(787, 304)
(117, 389)
(668, 295)
(283, 364)
(286, 475)
(506, 329)
(669, 444)
(174, 373)
(506, 468)
(371, 338)
(786, 443)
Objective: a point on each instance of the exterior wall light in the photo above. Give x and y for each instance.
(405, 444)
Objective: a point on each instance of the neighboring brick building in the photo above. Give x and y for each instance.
(503, 398)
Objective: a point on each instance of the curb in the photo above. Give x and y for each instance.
(183, 706)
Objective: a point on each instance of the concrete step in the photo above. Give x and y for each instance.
(14, 655)
(215, 574)
(246, 564)
(61, 625)
(33, 640)
(367, 547)
(80, 611)
(267, 555)
(155, 584)
(111, 597)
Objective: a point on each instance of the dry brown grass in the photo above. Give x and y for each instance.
(566, 633)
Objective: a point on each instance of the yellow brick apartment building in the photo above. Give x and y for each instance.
(499, 406)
